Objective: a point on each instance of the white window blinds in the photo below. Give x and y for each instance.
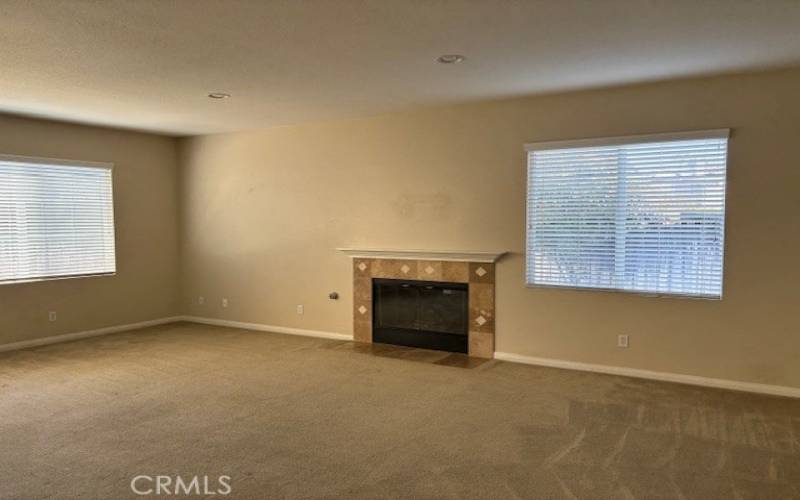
(641, 214)
(56, 219)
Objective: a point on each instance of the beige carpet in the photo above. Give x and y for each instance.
(299, 418)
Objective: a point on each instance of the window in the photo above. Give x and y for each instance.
(640, 214)
(56, 219)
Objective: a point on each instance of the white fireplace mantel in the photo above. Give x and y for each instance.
(390, 253)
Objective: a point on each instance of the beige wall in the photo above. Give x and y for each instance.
(145, 209)
(263, 212)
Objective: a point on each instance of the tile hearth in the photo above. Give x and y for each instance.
(443, 358)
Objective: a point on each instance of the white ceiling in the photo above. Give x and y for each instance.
(149, 64)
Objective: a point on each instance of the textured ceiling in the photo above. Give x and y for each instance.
(149, 64)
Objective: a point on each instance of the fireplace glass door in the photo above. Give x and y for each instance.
(431, 315)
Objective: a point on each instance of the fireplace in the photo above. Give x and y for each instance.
(427, 314)
(439, 284)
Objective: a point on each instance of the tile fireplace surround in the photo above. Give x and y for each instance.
(478, 274)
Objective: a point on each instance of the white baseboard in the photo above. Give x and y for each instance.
(734, 385)
(23, 344)
(267, 328)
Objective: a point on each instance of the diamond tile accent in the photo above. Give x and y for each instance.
(480, 320)
(481, 272)
(363, 309)
(361, 266)
(429, 270)
(405, 269)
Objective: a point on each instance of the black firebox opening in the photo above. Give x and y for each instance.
(427, 314)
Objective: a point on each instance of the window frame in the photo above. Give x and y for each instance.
(41, 160)
(719, 133)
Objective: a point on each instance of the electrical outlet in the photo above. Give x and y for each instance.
(622, 341)
(52, 316)
(224, 302)
(299, 308)
(201, 300)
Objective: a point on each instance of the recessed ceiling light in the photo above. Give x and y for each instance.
(218, 95)
(450, 59)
